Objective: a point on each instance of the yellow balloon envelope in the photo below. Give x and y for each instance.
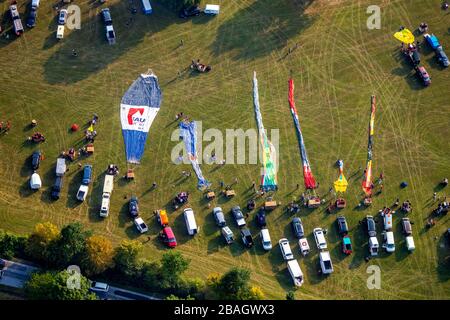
(340, 185)
(404, 36)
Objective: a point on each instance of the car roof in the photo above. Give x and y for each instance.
(100, 285)
(139, 220)
(168, 231)
(325, 255)
(265, 232)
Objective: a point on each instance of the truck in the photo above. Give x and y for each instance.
(17, 23)
(107, 20)
(108, 185)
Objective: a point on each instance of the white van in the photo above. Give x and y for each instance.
(410, 243)
(295, 272)
(325, 262)
(108, 186)
(35, 181)
(212, 9)
(265, 239)
(189, 218)
(104, 209)
(227, 234)
(320, 238)
(60, 32)
(285, 249)
(373, 246)
(389, 243)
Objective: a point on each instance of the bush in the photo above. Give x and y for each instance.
(55, 286)
(12, 245)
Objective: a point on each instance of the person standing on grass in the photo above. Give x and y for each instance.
(154, 185)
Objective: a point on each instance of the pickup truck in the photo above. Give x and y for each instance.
(107, 20)
(17, 23)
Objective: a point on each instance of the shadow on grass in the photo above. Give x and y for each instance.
(89, 60)
(249, 35)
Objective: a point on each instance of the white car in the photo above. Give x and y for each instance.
(265, 239)
(325, 262)
(82, 192)
(140, 225)
(285, 249)
(320, 238)
(388, 242)
(295, 272)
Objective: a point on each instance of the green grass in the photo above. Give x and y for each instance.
(338, 66)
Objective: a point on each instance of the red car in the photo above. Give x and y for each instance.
(424, 76)
(168, 237)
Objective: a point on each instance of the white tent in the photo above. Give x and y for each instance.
(35, 181)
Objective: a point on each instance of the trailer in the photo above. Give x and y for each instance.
(17, 23)
(60, 167)
(60, 32)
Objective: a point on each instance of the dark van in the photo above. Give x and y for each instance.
(56, 189)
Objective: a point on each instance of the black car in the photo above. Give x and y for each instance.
(371, 226)
(31, 19)
(56, 189)
(342, 225)
(35, 160)
(247, 238)
(297, 227)
(133, 207)
(413, 57)
(261, 218)
(190, 12)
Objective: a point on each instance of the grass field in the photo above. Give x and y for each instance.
(338, 66)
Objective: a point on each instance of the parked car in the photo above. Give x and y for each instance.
(371, 226)
(106, 16)
(342, 225)
(190, 12)
(413, 57)
(247, 238)
(189, 219)
(373, 246)
(107, 20)
(297, 227)
(320, 238)
(168, 237)
(87, 174)
(219, 217)
(388, 241)
(140, 225)
(56, 189)
(304, 246)
(82, 192)
(325, 262)
(347, 245)
(387, 220)
(424, 76)
(295, 272)
(265, 239)
(238, 216)
(261, 218)
(133, 206)
(35, 160)
(99, 288)
(406, 226)
(442, 57)
(227, 234)
(31, 19)
(285, 249)
(62, 16)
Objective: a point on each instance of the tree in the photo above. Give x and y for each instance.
(254, 293)
(173, 264)
(38, 243)
(11, 245)
(174, 297)
(126, 257)
(151, 274)
(54, 286)
(177, 5)
(234, 284)
(98, 255)
(70, 246)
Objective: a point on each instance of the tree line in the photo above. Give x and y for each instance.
(55, 249)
